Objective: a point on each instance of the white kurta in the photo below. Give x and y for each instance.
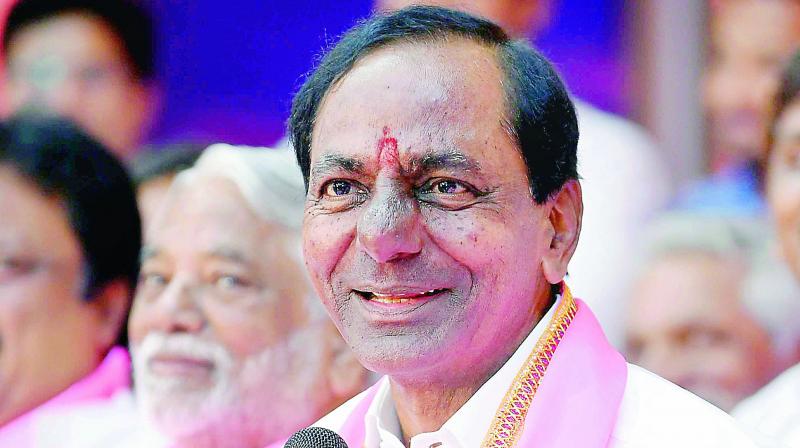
(774, 412)
(653, 413)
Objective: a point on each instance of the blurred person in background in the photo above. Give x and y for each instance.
(89, 60)
(750, 42)
(616, 159)
(712, 310)
(775, 410)
(69, 260)
(231, 347)
(153, 171)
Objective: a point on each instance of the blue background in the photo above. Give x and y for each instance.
(228, 69)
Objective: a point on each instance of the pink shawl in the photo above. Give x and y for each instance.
(576, 404)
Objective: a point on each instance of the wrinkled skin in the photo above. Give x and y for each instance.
(417, 187)
(222, 339)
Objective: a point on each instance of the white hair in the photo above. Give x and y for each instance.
(768, 292)
(272, 185)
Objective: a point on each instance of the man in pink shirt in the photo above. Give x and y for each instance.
(69, 245)
(443, 207)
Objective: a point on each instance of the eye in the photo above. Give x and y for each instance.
(152, 279)
(338, 188)
(12, 266)
(231, 281)
(448, 193)
(449, 186)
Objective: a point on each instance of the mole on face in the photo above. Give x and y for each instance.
(387, 150)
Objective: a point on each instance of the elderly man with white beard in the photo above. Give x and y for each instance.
(230, 346)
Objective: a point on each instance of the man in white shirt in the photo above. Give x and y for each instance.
(442, 210)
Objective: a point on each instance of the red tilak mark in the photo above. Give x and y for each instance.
(387, 149)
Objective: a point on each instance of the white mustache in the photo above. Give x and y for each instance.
(180, 345)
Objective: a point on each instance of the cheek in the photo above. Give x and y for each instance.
(484, 240)
(784, 197)
(326, 238)
(246, 330)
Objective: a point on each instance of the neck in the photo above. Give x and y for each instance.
(424, 403)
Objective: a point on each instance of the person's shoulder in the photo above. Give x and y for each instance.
(775, 409)
(656, 413)
(115, 422)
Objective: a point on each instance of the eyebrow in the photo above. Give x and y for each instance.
(444, 160)
(335, 162)
(228, 254)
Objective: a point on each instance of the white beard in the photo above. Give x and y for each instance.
(255, 400)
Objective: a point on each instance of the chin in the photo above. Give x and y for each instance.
(401, 354)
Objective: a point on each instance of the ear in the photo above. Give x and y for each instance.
(111, 305)
(346, 375)
(565, 217)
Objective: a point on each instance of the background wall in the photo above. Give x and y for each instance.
(228, 69)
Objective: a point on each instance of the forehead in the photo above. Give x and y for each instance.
(72, 36)
(32, 220)
(687, 287)
(203, 213)
(757, 26)
(432, 90)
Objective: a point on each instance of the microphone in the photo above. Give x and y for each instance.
(315, 438)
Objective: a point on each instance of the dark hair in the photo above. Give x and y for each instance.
(131, 22)
(541, 115)
(158, 161)
(95, 189)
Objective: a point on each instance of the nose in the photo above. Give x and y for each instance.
(389, 229)
(177, 310)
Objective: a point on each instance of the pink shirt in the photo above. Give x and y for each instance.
(110, 377)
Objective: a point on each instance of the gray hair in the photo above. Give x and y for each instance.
(271, 184)
(769, 292)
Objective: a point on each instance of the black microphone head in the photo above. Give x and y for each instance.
(315, 438)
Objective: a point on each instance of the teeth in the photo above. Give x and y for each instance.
(385, 298)
(390, 300)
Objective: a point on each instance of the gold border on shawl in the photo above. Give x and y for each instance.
(509, 420)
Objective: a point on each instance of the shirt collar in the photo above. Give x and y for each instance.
(469, 425)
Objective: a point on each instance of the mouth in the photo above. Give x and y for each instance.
(180, 366)
(399, 298)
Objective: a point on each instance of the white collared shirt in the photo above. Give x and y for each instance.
(467, 427)
(654, 413)
(774, 412)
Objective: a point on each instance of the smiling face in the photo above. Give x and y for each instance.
(420, 231)
(219, 322)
